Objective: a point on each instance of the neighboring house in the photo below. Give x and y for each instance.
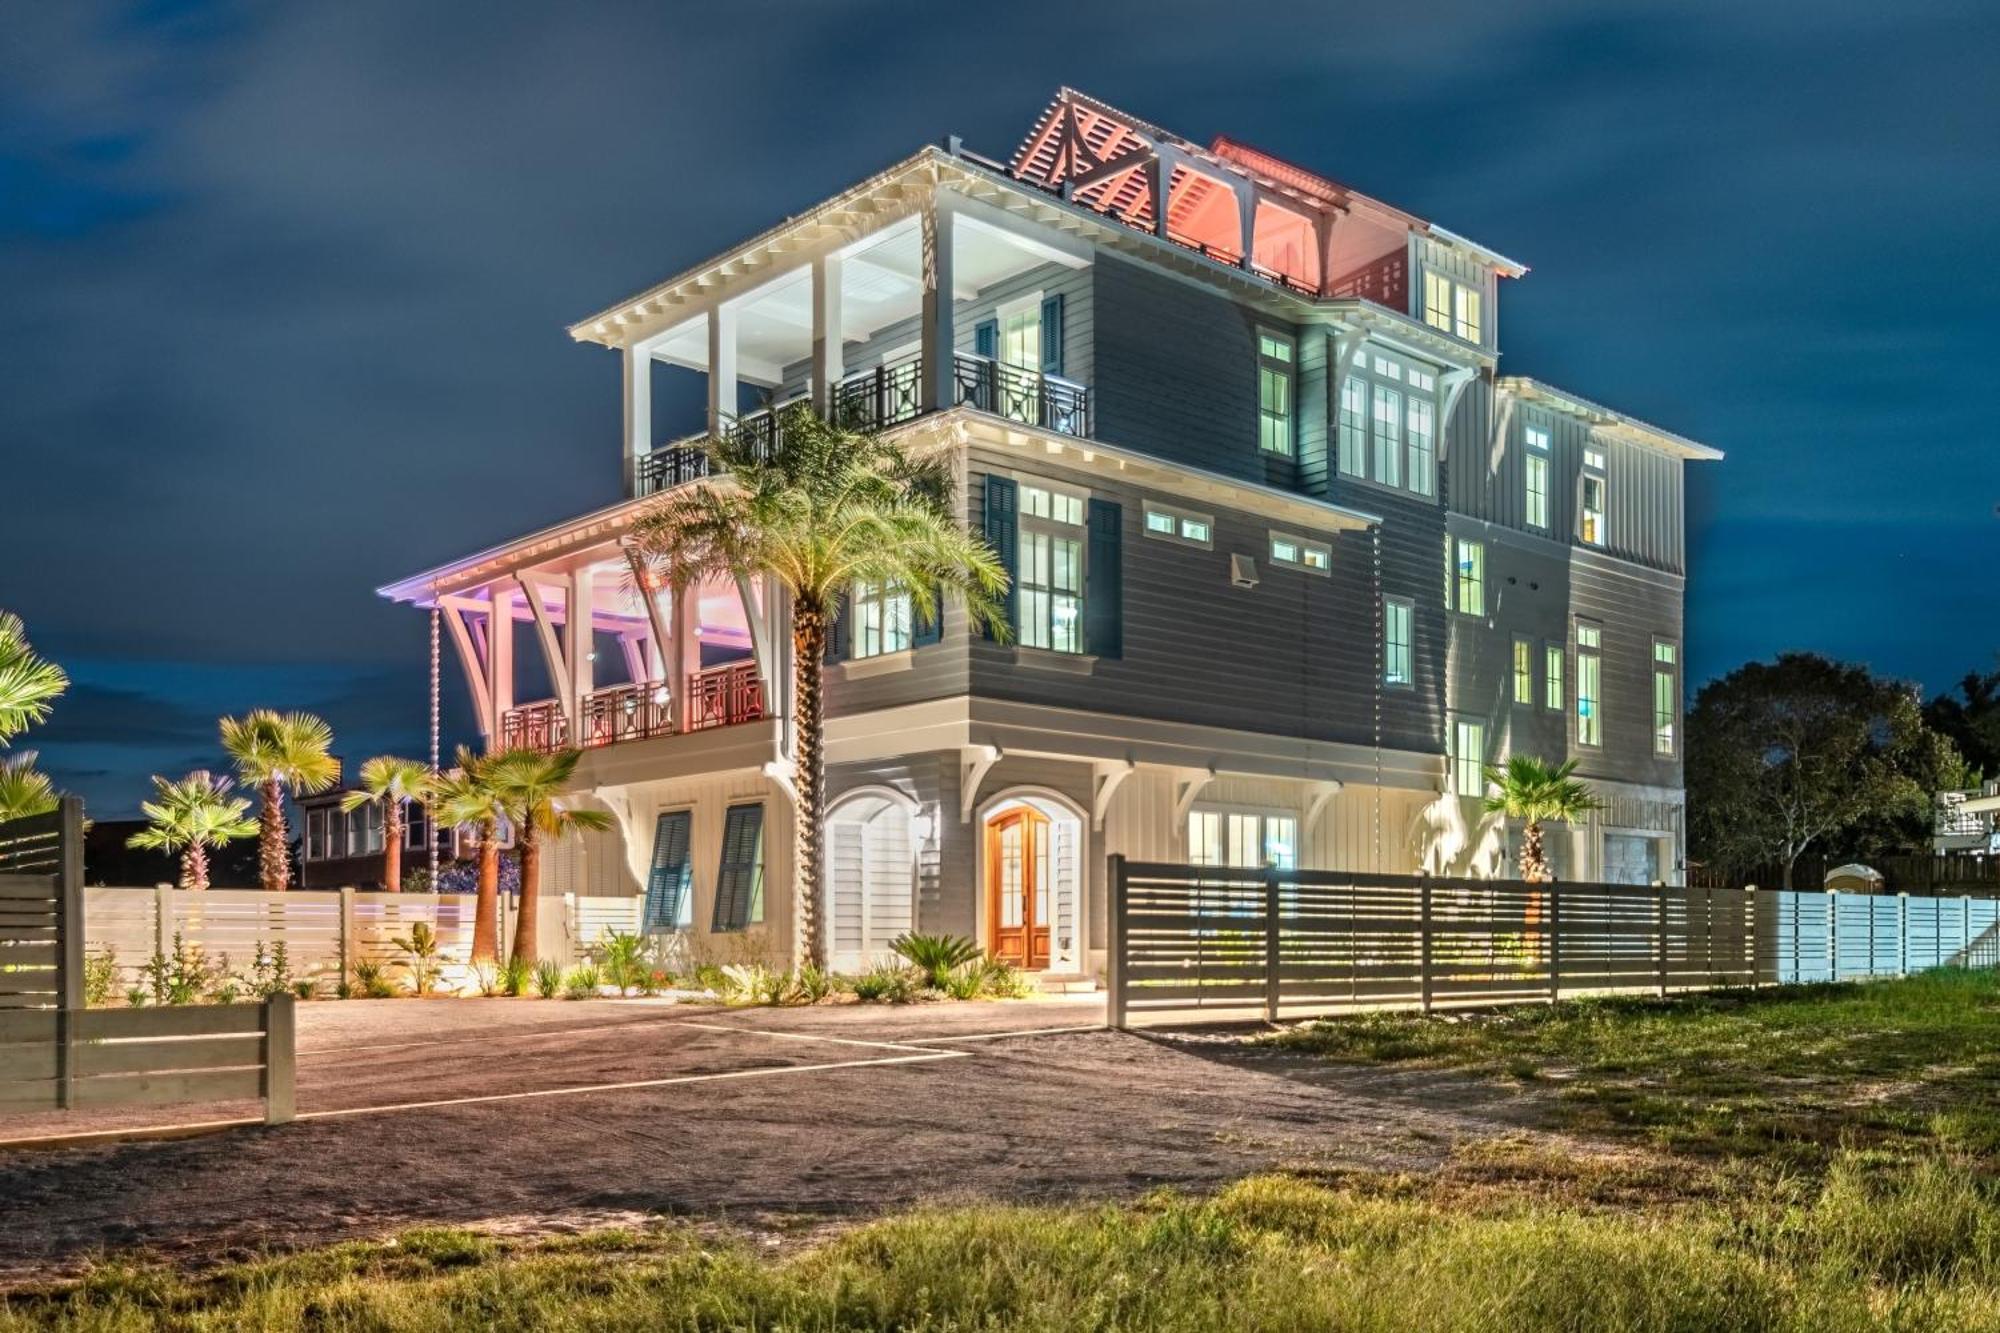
(343, 848)
(1292, 560)
(1968, 822)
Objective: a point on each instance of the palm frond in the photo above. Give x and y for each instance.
(24, 791)
(28, 684)
(292, 748)
(1532, 789)
(198, 810)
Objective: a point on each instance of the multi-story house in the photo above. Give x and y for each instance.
(1291, 559)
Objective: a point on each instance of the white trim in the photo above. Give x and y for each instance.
(1036, 797)
(974, 763)
(1106, 779)
(1306, 546)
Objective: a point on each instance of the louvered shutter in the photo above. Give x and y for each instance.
(986, 337)
(667, 887)
(1104, 582)
(738, 881)
(1003, 535)
(930, 629)
(1052, 335)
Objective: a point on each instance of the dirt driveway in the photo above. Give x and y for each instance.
(539, 1115)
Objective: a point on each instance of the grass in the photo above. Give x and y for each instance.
(1916, 1250)
(1789, 1076)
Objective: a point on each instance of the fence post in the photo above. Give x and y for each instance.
(1660, 937)
(69, 940)
(1114, 1008)
(280, 1059)
(1424, 942)
(1555, 942)
(347, 940)
(163, 918)
(1272, 984)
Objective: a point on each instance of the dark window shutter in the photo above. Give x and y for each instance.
(1002, 534)
(739, 890)
(836, 632)
(986, 337)
(1104, 583)
(930, 629)
(1052, 335)
(667, 886)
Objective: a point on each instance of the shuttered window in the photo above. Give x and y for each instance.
(881, 619)
(670, 884)
(739, 879)
(1051, 569)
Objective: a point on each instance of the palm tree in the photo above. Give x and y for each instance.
(818, 511)
(393, 783)
(1533, 790)
(276, 753)
(530, 784)
(28, 684)
(24, 791)
(191, 817)
(466, 798)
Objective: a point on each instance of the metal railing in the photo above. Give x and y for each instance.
(717, 697)
(625, 713)
(1030, 396)
(884, 396)
(723, 696)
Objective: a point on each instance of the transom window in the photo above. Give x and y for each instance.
(1590, 520)
(1300, 553)
(1468, 757)
(1275, 369)
(1536, 477)
(1589, 684)
(1219, 836)
(1454, 307)
(1398, 615)
(881, 619)
(1051, 569)
(1388, 421)
(1470, 566)
(1179, 525)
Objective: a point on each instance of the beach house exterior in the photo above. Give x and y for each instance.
(1292, 559)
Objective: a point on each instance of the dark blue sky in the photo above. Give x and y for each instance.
(285, 285)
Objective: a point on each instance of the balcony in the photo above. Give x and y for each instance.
(718, 697)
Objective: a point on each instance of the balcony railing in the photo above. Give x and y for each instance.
(873, 399)
(718, 697)
(1029, 396)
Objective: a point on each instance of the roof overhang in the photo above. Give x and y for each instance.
(551, 544)
(1614, 425)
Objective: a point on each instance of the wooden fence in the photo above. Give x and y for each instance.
(327, 932)
(57, 1055)
(1221, 942)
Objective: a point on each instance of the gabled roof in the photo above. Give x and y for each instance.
(1613, 423)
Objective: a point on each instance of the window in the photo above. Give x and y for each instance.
(1421, 435)
(1437, 301)
(1397, 615)
(1274, 392)
(1299, 553)
(1552, 677)
(1537, 477)
(1465, 314)
(1666, 697)
(1389, 421)
(1589, 681)
(881, 619)
(1524, 671)
(365, 830)
(1590, 524)
(1051, 569)
(1388, 436)
(669, 886)
(316, 835)
(1471, 567)
(1354, 426)
(1454, 307)
(1468, 757)
(1179, 525)
(739, 880)
(1250, 839)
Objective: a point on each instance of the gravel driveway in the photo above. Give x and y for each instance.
(496, 1112)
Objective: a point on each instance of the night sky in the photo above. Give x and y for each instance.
(283, 287)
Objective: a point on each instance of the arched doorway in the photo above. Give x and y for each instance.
(871, 872)
(1031, 871)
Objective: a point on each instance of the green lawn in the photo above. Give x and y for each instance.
(1918, 1251)
(1786, 1076)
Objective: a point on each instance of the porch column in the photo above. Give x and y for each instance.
(721, 368)
(577, 630)
(1246, 216)
(683, 648)
(638, 411)
(935, 392)
(499, 656)
(828, 363)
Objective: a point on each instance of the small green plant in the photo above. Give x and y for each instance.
(622, 956)
(100, 978)
(754, 983)
(181, 977)
(885, 984)
(271, 971)
(305, 988)
(514, 977)
(343, 989)
(420, 956)
(372, 981)
(709, 977)
(1003, 981)
(548, 979)
(936, 956)
(810, 984)
(486, 979)
(582, 982)
(228, 992)
(655, 980)
(964, 983)
(135, 996)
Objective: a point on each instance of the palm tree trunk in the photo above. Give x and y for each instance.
(527, 947)
(194, 866)
(808, 663)
(486, 917)
(1534, 862)
(273, 865)
(392, 846)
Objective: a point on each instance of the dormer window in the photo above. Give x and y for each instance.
(1388, 421)
(1453, 307)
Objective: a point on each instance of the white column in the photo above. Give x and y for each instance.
(499, 654)
(828, 363)
(936, 392)
(721, 368)
(683, 650)
(638, 411)
(1246, 217)
(577, 632)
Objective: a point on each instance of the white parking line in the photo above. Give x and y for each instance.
(921, 1042)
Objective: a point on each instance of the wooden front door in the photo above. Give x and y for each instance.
(1017, 888)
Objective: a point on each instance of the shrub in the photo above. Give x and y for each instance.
(371, 981)
(100, 976)
(305, 988)
(965, 983)
(420, 949)
(655, 980)
(226, 993)
(135, 996)
(486, 977)
(180, 977)
(886, 985)
(548, 979)
(709, 977)
(1003, 981)
(935, 955)
(582, 982)
(514, 977)
(812, 984)
(271, 971)
(753, 983)
(622, 956)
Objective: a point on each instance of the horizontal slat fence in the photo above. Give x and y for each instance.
(1191, 941)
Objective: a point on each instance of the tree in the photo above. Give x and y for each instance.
(1971, 719)
(24, 791)
(393, 783)
(28, 684)
(190, 818)
(818, 511)
(467, 798)
(530, 785)
(1533, 790)
(279, 753)
(1806, 752)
